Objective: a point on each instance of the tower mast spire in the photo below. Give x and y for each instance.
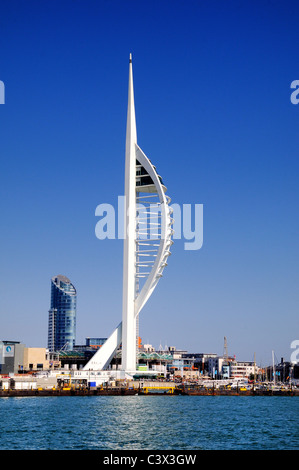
(128, 313)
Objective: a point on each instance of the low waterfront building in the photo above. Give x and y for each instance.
(11, 357)
(35, 359)
(201, 361)
(18, 382)
(75, 359)
(148, 348)
(16, 358)
(53, 358)
(215, 365)
(284, 371)
(243, 370)
(23, 382)
(4, 383)
(95, 343)
(154, 361)
(80, 355)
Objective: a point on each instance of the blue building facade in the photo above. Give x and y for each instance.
(62, 314)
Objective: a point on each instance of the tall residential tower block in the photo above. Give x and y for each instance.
(62, 314)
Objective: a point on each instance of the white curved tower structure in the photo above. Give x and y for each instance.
(147, 243)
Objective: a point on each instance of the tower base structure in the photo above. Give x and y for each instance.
(102, 377)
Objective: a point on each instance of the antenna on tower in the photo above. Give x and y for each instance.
(225, 353)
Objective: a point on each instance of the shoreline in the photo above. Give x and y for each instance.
(120, 391)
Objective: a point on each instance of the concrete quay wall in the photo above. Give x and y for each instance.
(124, 391)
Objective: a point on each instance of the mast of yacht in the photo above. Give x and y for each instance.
(273, 365)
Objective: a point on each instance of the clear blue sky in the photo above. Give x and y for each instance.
(212, 94)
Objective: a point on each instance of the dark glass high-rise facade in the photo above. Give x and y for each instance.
(62, 314)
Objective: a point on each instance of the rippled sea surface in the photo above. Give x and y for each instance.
(149, 422)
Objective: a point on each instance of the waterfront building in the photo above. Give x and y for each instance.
(11, 357)
(284, 371)
(53, 358)
(243, 370)
(147, 241)
(148, 348)
(16, 358)
(180, 361)
(74, 359)
(95, 343)
(215, 366)
(81, 354)
(62, 314)
(201, 361)
(35, 359)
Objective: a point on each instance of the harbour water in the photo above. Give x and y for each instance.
(149, 422)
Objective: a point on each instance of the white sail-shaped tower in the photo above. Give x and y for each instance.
(147, 242)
